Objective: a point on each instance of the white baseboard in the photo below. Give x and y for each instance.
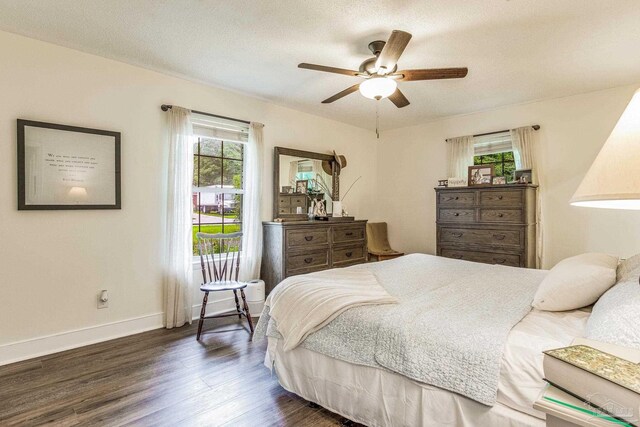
(54, 343)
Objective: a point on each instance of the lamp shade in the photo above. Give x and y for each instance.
(378, 87)
(613, 181)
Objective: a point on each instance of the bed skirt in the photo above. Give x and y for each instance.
(377, 397)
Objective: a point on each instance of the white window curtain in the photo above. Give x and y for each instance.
(526, 154)
(317, 168)
(178, 247)
(251, 221)
(293, 173)
(459, 156)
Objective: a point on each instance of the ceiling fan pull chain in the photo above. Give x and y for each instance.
(378, 119)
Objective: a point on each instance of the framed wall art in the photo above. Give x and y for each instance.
(67, 167)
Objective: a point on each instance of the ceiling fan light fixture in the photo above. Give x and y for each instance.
(378, 87)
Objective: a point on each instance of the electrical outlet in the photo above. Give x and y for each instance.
(103, 299)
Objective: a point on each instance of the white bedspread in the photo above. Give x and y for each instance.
(449, 329)
(301, 305)
(377, 397)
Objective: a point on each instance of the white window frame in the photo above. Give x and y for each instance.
(224, 130)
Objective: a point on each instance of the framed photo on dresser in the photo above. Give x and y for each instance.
(480, 175)
(498, 180)
(67, 167)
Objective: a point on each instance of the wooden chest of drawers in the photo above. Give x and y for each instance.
(492, 224)
(299, 247)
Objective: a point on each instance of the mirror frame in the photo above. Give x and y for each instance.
(282, 151)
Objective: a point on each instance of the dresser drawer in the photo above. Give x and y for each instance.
(501, 215)
(308, 261)
(481, 236)
(307, 237)
(284, 200)
(284, 209)
(298, 201)
(352, 233)
(501, 198)
(348, 255)
(456, 215)
(512, 260)
(456, 198)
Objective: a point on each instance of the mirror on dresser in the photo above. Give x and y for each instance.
(293, 244)
(291, 166)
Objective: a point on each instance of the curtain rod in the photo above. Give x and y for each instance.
(534, 127)
(166, 107)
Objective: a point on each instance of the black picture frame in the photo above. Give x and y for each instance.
(525, 174)
(22, 203)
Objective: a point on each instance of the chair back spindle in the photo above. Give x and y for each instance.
(219, 256)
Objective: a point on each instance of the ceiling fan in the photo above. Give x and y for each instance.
(380, 72)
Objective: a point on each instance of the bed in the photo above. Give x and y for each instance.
(339, 368)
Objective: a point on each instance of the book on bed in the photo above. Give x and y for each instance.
(605, 381)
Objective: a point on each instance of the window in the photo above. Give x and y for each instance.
(218, 186)
(497, 150)
(503, 163)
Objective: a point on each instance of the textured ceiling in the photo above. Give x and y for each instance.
(516, 51)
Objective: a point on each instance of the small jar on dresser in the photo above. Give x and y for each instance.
(298, 247)
(490, 224)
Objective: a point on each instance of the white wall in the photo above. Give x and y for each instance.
(573, 130)
(52, 263)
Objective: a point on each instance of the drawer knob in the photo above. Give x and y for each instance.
(499, 197)
(457, 256)
(457, 198)
(456, 234)
(348, 254)
(308, 260)
(500, 215)
(499, 236)
(350, 233)
(499, 260)
(308, 238)
(456, 214)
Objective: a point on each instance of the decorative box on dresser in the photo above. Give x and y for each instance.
(490, 224)
(298, 247)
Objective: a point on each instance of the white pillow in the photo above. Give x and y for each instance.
(628, 268)
(576, 282)
(616, 316)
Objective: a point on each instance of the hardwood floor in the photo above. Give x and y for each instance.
(157, 378)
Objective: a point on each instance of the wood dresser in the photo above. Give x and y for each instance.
(299, 247)
(490, 224)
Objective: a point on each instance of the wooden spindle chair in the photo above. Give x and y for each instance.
(220, 262)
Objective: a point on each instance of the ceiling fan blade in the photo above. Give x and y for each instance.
(344, 93)
(329, 69)
(391, 51)
(399, 99)
(433, 74)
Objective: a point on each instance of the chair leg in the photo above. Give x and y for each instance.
(202, 312)
(235, 294)
(246, 310)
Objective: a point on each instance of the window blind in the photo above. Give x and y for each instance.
(216, 128)
(491, 144)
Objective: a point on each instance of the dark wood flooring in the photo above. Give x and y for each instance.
(157, 378)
